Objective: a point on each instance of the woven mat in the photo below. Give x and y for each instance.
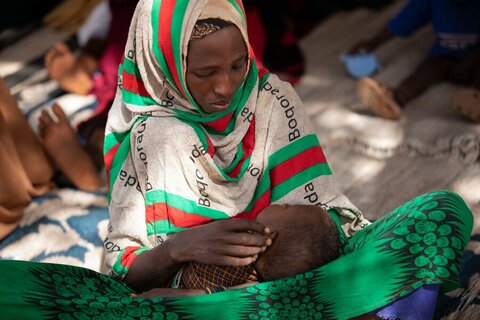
(380, 164)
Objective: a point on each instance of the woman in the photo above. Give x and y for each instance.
(240, 141)
(198, 142)
(198, 136)
(95, 71)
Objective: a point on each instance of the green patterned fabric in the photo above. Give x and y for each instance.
(421, 242)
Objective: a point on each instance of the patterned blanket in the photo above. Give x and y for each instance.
(66, 226)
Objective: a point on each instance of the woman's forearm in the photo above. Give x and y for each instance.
(152, 268)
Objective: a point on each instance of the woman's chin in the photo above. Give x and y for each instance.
(214, 108)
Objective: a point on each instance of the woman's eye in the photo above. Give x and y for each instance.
(204, 74)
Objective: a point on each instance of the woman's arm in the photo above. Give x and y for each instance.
(225, 242)
(146, 255)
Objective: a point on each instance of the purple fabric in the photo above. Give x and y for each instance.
(418, 305)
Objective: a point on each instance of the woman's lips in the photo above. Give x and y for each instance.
(222, 105)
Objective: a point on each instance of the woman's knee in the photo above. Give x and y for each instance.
(443, 210)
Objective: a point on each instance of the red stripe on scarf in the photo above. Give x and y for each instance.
(240, 4)
(211, 147)
(296, 164)
(260, 204)
(262, 71)
(179, 218)
(221, 124)
(133, 84)
(248, 144)
(128, 256)
(108, 159)
(110, 155)
(164, 39)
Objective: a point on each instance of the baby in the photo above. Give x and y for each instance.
(306, 237)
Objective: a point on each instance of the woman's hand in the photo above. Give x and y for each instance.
(225, 242)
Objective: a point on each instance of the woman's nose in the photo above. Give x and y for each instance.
(223, 86)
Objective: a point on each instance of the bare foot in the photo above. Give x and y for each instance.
(63, 66)
(61, 143)
(379, 98)
(467, 102)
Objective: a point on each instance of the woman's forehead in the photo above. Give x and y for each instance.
(226, 44)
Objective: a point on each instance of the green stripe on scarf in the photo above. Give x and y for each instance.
(262, 187)
(203, 139)
(299, 179)
(293, 149)
(131, 97)
(120, 155)
(238, 157)
(243, 169)
(162, 227)
(181, 203)
(119, 268)
(176, 29)
(137, 100)
(156, 49)
(234, 3)
(118, 161)
(112, 140)
(130, 67)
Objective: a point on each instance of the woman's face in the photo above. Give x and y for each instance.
(216, 66)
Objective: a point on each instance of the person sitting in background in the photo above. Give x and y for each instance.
(454, 57)
(94, 71)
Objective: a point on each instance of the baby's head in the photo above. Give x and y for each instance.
(307, 238)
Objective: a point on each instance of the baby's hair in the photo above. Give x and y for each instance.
(303, 246)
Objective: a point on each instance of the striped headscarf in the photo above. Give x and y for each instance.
(172, 166)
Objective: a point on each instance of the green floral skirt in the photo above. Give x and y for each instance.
(421, 242)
